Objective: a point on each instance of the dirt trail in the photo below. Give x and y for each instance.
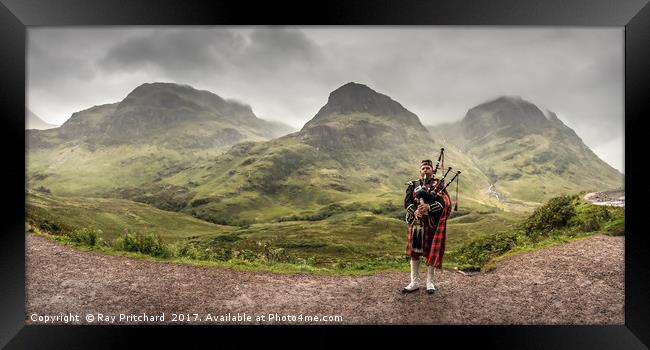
(576, 283)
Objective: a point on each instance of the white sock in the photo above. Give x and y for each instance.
(430, 284)
(415, 268)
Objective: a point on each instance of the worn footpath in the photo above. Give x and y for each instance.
(581, 282)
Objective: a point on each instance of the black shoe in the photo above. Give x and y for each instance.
(404, 290)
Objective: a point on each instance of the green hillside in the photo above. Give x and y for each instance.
(57, 214)
(528, 156)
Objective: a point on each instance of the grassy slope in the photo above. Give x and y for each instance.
(79, 171)
(530, 169)
(113, 215)
(536, 167)
(346, 237)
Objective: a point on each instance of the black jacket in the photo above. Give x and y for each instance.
(410, 204)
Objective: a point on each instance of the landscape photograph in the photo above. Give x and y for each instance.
(257, 175)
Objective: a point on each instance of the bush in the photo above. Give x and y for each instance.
(148, 244)
(590, 218)
(264, 253)
(45, 225)
(479, 251)
(269, 254)
(192, 251)
(85, 236)
(615, 227)
(187, 250)
(556, 213)
(244, 254)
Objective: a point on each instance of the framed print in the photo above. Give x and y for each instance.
(234, 170)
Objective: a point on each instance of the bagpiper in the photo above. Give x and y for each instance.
(428, 206)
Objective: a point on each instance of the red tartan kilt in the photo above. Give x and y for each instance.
(433, 245)
(426, 246)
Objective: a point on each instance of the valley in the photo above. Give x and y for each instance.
(198, 170)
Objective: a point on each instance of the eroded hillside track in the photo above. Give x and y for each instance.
(581, 282)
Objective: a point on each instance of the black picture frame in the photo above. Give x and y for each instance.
(17, 15)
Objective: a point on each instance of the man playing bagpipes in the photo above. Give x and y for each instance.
(428, 206)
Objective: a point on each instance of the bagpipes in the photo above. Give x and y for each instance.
(428, 196)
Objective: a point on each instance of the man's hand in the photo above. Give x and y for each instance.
(422, 210)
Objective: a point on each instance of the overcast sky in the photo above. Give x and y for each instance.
(287, 73)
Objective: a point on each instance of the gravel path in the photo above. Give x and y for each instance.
(614, 198)
(576, 283)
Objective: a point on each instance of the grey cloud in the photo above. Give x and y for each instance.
(46, 64)
(215, 50)
(174, 51)
(277, 46)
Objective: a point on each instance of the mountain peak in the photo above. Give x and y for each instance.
(353, 98)
(157, 87)
(161, 84)
(162, 94)
(508, 101)
(357, 118)
(510, 98)
(152, 108)
(182, 98)
(148, 89)
(504, 113)
(353, 87)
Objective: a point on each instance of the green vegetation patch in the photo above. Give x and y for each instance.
(559, 220)
(148, 244)
(58, 215)
(160, 195)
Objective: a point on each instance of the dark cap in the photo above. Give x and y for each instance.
(427, 162)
